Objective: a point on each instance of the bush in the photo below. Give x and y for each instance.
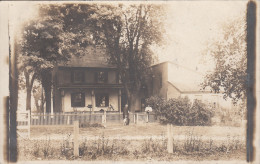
(90, 125)
(180, 111)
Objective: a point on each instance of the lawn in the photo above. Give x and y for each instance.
(135, 142)
(138, 131)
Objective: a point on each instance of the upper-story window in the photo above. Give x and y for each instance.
(77, 76)
(101, 76)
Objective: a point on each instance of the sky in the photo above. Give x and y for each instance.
(190, 25)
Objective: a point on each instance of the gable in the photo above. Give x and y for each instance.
(95, 57)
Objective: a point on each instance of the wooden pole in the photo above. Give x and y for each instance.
(29, 124)
(104, 118)
(170, 138)
(76, 138)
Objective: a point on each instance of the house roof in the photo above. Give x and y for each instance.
(94, 57)
(185, 79)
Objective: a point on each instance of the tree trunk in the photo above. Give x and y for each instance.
(46, 84)
(133, 103)
(28, 98)
(29, 85)
(132, 97)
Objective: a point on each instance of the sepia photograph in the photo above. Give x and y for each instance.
(123, 82)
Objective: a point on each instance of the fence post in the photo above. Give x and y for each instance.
(170, 138)
(76, 138)
(136, 121)
(104, 118)
(68, 120)
(29, 124)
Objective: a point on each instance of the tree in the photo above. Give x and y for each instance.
(59, 32)
(41, 50)
(128, 32)
(229, 54)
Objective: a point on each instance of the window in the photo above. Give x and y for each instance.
(78, 76)
(77, 99)
(102, 100)
(101, 77)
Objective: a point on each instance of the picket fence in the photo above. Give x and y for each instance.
(69, 118)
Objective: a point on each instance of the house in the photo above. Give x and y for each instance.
(90, 83)
(171, 80)
(87, 83)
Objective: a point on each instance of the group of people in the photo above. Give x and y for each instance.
(126, 113)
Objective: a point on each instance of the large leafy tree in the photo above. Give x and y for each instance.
(229, 54)
(59, 32)
(128, 32)
(41, 50)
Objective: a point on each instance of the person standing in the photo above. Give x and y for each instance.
(126, 115)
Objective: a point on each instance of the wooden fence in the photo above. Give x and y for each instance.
(23, 121)
(69, 118)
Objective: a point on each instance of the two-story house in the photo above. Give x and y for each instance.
(172, 80)
(87, 83)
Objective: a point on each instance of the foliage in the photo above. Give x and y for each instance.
(193, 143)
(41, 47)
(180, 111)
(87, 124)
(151, 145)
(47, 149)
(66, 147)
(229, 55)
(192, 146)
(128, 32)
(156, 103)
(230, 116)
(102, 147)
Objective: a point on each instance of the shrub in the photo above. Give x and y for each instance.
(47, 149)
(200, 114)
(88, 125)
(180, 111)
(192, 143)
(66, 147)
(36, 149)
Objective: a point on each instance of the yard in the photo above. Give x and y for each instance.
(139, 142)
(137, 131)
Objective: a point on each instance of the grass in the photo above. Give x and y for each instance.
(96, 143)
(151, 129)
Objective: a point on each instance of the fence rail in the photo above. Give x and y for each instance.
(69, 118)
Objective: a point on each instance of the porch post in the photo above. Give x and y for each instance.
(119, 100)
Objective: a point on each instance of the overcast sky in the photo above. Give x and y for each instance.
(193, 24)
(190, 25)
